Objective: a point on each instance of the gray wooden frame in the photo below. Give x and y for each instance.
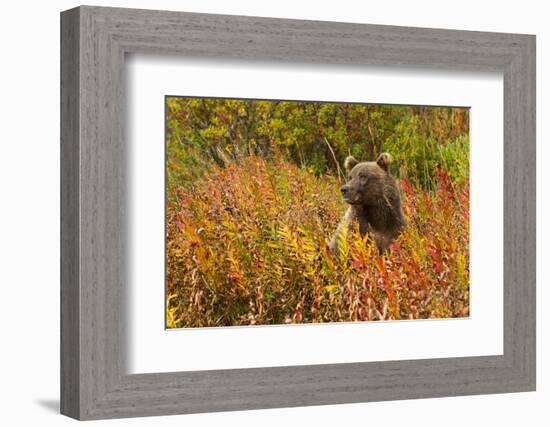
(94, 41)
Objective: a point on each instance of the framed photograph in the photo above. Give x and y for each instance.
(261, 213)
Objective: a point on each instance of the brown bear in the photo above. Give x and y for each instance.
(374, 202)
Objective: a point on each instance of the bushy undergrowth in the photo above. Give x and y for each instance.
(315, 135)
(247, 244)
(420, 156)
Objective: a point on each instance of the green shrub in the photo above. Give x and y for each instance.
(418, 157)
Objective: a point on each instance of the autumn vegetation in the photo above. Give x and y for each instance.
(253, 199)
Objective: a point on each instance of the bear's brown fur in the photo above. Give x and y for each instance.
(374, 202)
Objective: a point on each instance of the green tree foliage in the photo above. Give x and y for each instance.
(204, 132)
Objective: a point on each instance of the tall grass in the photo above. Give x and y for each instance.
(247, 244)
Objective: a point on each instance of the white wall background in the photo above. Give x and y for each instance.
(29, 214)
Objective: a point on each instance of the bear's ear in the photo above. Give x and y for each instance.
(349, 163)
(384, 161)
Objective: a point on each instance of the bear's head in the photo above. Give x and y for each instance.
(367, 180)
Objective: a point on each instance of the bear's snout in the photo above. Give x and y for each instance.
(344, 190)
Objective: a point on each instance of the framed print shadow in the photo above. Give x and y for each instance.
(287, 213)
